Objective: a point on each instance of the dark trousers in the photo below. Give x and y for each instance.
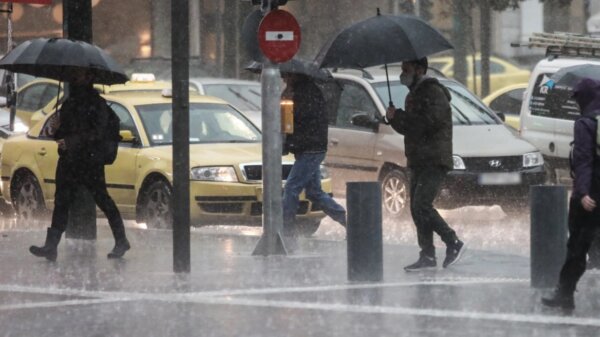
(583, 226)
(425, 184)
(68, 177)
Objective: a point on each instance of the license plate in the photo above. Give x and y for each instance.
(500, 178)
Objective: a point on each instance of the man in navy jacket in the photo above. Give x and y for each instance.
(584, 213)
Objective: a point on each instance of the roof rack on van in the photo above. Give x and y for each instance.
(564, 44)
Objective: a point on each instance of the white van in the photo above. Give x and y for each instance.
(550, 129)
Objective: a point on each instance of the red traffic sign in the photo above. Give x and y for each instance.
(35, 2)
(279, 36)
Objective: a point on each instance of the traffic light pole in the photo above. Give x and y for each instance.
(271, 242)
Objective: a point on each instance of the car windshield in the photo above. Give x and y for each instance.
(466, 108)
(209, 123)
(242, 96)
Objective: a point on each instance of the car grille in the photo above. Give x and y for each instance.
(494, 164)
(253, 172)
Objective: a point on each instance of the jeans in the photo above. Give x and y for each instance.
(306, 175)
(583, 227)
(424, 187)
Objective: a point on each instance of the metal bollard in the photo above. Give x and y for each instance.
(548, 234)
(363, 231)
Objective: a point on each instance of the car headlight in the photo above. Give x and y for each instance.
(459, 164)
(20, 127)
(324, 172)
(217, 173)
(533, 159)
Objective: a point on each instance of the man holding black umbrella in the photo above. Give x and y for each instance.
(81, 137)
(426, 124)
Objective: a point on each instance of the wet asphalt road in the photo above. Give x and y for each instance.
(232, 293)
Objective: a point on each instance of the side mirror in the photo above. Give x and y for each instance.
(365, 121)
(501, 115)
(127, 136)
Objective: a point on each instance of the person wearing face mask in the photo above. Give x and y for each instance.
(426, 123)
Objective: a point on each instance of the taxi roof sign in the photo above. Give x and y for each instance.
(279, 36)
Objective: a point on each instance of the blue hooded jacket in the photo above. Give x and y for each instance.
(585, 163)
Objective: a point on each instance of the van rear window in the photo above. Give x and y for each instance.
(552, 102)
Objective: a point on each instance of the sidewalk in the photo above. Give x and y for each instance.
(229, 292)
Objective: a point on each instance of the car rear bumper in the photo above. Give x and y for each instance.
(468, 188)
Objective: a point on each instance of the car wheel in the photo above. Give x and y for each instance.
(307, 227)
(156, 205)
(395, 196)
(515, 210)
(28, 200)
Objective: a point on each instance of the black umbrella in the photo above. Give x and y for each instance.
(382, 39)
(61, 59)
(295, 66)
(568, 77)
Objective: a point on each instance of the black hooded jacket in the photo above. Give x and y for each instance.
(426, 124)
(83, 119)
(310, 119)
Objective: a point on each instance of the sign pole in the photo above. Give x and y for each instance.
(279, 40)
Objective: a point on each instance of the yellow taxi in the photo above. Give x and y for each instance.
(507, 102)
(502, 72)
(38, 97)
(225, 160)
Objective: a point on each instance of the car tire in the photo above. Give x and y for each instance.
(156, 205)
(515, 210)
(307, 227)
(28, 200)
(395, 194)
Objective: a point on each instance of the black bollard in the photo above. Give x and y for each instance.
(363, 231)
(548, 234)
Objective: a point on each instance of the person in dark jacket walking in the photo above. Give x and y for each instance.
(308, 143)
(83, 119)
(584, 215)
(426, 123)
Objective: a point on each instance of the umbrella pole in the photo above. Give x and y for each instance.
(387, 78)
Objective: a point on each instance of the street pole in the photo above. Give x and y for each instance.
(180, 51)
(77, 25)
(271, 242)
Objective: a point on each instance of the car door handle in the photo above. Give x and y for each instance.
(334, 141)
(42, 151)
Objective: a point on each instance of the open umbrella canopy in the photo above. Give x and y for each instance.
(568, 77)
(61, 59)
(294, 66)
(380, 40)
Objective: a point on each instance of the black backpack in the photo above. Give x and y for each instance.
(111, 136)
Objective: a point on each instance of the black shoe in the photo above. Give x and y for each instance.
(560, 298)
(49, 249)
(424, 263)
(119, 250)
(453, 253)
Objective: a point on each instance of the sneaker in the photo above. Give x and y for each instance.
(559, 298)
(454, 253)
(424, 263)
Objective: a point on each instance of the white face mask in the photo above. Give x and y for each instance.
(407, 79)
